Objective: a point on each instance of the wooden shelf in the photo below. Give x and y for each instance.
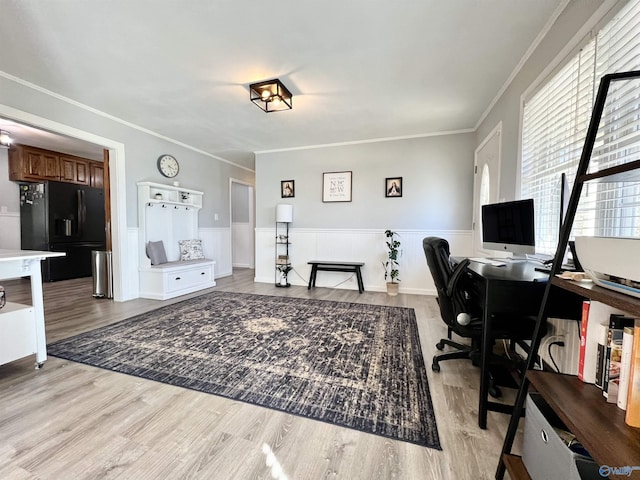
(597, 424)
(627, 172)
(591, 291)
(515, 467)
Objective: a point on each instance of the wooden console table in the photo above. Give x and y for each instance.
(22, 331)
(348, 267)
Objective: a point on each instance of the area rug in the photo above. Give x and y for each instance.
(354, 365)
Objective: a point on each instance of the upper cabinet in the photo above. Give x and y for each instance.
(74, 170)
(96, 174)
(26, 163)
(33, 164)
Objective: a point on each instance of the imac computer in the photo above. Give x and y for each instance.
(508, 227)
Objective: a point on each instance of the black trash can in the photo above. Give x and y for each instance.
(102, 274)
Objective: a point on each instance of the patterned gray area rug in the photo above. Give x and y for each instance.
(354, 365)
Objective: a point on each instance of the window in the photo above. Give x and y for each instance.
(555, 122)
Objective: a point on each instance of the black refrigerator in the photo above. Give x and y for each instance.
(62, 217)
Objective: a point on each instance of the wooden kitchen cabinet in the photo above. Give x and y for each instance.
(74, 170)
(31, 164)
(96, 174)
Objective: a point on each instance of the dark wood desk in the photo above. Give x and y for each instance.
(515, 288)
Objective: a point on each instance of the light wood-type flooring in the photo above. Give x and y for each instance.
(74, 421)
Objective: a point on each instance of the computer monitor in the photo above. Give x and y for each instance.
(508, 227)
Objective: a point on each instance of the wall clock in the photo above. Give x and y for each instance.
(168, 165)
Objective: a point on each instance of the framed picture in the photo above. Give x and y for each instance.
(336, 187)
(393, 187)
(287, 189)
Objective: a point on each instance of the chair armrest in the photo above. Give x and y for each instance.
(455, 276)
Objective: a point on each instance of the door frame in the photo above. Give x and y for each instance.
(476, 219)
(122, 289)
(252, 219)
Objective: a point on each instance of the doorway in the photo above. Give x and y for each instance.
(242, 215)
(486, 182)
(123, 285)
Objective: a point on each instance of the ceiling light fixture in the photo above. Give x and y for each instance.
(5, 139)
(271, 96)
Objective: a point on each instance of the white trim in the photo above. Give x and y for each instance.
(252, 219)
(436, 233)
(370, 140)
(118, 189)
(10, 214)
(95, 111)
(497, 130)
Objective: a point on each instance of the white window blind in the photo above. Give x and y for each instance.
(555, 122)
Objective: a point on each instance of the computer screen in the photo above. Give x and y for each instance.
(508, 227)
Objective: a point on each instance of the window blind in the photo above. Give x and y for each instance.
(555, 122)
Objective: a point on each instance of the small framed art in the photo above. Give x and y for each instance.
(393, 187)
(336, 187)
(287, 189)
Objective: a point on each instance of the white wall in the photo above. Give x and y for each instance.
(437, 200)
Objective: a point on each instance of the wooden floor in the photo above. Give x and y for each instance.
(73, 421)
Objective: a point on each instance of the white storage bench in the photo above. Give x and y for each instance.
(168, 218)
(168, 280)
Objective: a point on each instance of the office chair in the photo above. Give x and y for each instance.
(459, 314)
(463, 315)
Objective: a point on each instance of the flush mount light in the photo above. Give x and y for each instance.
(271, 96)
(5, 139)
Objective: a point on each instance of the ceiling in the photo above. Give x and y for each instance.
(358, 69)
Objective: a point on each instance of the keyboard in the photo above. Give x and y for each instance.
(540, 257)
(488, 261)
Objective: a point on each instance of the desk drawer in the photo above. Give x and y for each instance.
(189, 277)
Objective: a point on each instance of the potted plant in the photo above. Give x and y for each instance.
(391, 265)
(284, 271)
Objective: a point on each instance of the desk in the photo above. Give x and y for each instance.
(515, 288)
(23, 331)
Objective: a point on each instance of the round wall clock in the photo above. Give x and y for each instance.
(168, 165)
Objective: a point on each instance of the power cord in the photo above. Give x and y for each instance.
(334, 286)
(560, 343)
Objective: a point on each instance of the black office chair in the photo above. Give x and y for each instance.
(463, 315)
(459, 314)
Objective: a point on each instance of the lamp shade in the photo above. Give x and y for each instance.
(284, 213)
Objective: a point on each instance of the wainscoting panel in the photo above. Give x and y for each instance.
(216, 244)
(364, 245)
(10, 230)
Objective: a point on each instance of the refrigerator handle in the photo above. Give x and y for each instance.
(82, 212)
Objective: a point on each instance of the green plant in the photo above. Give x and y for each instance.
(393, 253)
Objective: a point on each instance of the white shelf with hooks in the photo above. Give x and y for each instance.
(170, 214)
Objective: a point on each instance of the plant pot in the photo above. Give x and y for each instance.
(392, 288)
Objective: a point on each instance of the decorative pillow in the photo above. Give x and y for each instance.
(156, 253)
(190, 249)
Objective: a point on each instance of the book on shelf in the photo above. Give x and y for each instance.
(584, 372)
(613, 356)
(632, 416)
(601, 338)
(625, 367)
(594, 314)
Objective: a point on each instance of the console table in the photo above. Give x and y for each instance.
(22, 330)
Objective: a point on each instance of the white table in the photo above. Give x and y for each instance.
(22, 331)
